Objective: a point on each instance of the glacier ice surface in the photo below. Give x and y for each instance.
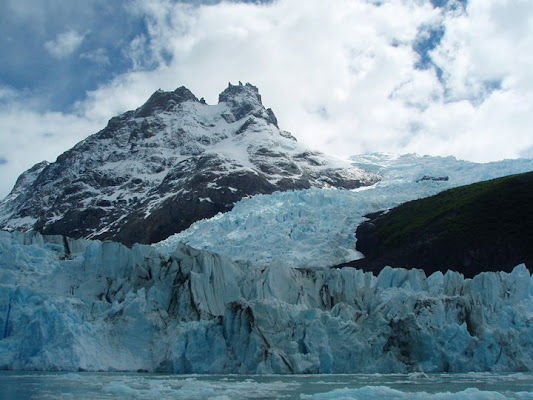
(316, 227)
(91, 305)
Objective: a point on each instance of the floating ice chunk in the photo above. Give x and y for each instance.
(384, 392)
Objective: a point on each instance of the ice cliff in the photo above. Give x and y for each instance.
(90, 305)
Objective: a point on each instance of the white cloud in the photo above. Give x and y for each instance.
(28, 137)
(339, 75)
(7, 93)
(345, 58)
(64, 44)
(97, 56)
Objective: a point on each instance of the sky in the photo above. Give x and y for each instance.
(438, 77)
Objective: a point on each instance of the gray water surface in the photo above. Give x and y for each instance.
(86, 385)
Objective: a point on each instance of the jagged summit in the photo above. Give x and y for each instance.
(162, 101)
(240, 91)
(153, 171)
(245, 100)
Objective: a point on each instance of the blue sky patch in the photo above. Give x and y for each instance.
(34, 62)
(451, 4)
(428, 39)
(33, 58)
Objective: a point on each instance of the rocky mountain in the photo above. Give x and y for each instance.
(175, 160)
(485, 226)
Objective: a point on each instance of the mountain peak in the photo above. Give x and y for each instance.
(239, 93)
(244, 100)
(154, 171)
(161, 100)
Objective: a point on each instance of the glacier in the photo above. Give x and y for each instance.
(100, 306)
(316, 227)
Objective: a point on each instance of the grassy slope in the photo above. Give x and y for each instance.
(475, 212)
(483, 216)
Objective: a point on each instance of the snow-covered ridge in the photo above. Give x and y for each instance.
(70, 305)
(175, 152)
(316, 228)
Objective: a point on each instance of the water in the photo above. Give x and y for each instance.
(79, 386)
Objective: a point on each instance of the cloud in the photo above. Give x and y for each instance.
(27, 64)
(28, 137)
(349, 76)
(347, 59)
(7, 93)
(97, 56)
(64, 44)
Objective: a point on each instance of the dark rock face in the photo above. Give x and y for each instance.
(476, 228)
(433, 178)
(165, 101)
(153, 171)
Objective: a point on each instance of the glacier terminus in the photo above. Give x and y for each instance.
(100, 306)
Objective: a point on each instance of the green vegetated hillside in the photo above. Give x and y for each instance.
(487, 226)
